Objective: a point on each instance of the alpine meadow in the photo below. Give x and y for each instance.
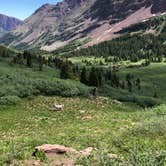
(83, 83)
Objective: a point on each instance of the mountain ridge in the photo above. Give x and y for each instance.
(54, 26)
(8, 23)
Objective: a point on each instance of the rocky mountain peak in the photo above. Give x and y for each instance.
(8, 23)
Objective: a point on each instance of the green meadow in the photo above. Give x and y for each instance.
(153, 79)
(84, 122)
(130, 125)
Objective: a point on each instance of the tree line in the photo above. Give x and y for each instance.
(128, 47)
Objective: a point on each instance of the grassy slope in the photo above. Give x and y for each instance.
(6, 68)
(152, 77)
(91, 60)
(19, 81)
(83, 123)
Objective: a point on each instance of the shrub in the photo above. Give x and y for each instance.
(21, 86)
(125, 96)
(146, 101)
(9, 100)
(65, 88)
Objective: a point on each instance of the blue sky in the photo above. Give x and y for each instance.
(22, 8)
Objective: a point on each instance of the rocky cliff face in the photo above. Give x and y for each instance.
(53, 26)
(158, 6)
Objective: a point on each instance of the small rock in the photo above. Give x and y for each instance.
(87, 152)
(116, 102)
(82, 111)
(87, 117)
(111, 156)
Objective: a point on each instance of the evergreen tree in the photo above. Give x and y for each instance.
(28, 58)
(83, 77)
(123, 85)
(41, 62)
(129, 83)
(66, 71)
(155, 95)
(138, 83)
(93, 78)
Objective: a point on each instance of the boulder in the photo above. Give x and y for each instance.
(60, 155)
(56, 149)
(60, 149)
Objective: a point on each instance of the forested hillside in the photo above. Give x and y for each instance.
(134, 47)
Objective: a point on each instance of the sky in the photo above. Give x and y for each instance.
(22, 8)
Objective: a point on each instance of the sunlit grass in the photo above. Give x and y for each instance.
(82, 123)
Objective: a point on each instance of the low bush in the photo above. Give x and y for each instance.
(125, 96)
(14, 87)
(146, 101)
(65, 88)
(9, 100)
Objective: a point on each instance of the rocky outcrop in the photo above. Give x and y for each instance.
(60, 150)
(54, 149)
(61, 155)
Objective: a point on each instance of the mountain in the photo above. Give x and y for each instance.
(92, 21)
(8, 23)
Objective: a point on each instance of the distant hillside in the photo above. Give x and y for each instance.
(9, 23)
(141, 40)
(154, 25)
(54, 26)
